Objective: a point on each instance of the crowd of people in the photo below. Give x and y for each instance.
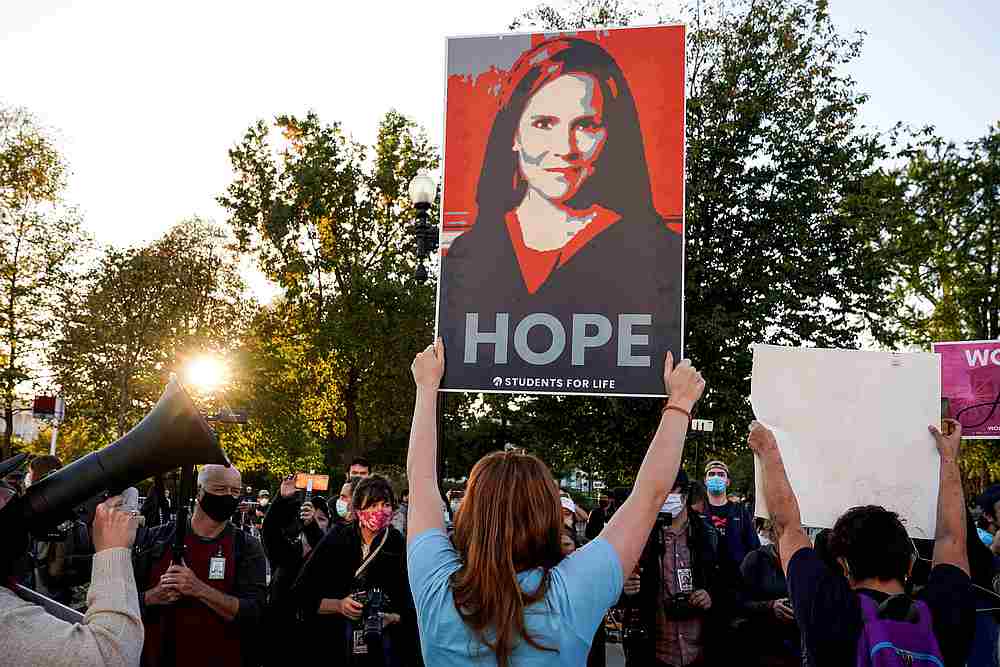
(512, 571)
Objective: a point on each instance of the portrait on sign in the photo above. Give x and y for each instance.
(562, 234)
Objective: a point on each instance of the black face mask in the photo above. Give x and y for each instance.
(218, 508)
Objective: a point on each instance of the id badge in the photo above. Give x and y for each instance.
(685, 581)
(217, 568)
(360, 647)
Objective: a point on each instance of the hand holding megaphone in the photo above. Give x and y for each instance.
(114, 525)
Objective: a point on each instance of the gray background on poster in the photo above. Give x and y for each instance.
(472, 56)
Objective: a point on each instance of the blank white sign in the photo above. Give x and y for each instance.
(852, 429)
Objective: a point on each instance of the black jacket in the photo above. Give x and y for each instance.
(280, 535)
(329, 573)
(764, 580)
(708, 574)
(595, 523)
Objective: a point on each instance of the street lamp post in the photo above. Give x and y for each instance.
(423, 190)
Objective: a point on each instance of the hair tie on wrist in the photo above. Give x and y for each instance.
(678, 408)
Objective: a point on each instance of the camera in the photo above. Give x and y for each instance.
(678, 606)
(371, 617)
(375, 603)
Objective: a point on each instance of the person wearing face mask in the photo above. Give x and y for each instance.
(210, 604)
(342, 513)
(677, 615)
(291, 530)
(351, 568)
(733, 520)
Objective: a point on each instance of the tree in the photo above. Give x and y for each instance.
(142, 314)
(945, 238)
(326, 219)
(40, 255)
(782, 219)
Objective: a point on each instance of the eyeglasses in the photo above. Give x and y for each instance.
(978, 414)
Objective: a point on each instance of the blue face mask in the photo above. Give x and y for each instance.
(716, 486)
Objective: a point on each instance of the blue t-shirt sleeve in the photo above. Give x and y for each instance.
(593, 581)
(430, 561)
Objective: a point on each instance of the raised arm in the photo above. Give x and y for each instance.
(629, 528)
(424, 511)
(949, 538)
(778, 495)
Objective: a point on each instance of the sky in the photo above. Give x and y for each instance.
(145, 99)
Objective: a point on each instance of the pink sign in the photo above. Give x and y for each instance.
(970, 382)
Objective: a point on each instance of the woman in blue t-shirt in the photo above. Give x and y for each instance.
(500, 592)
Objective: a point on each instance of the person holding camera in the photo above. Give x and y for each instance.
(677, 613)
(353, 589)
(111, 631)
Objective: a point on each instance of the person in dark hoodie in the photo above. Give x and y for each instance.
(675, 621)
(291, 530)
(770, 617)
(353, 568)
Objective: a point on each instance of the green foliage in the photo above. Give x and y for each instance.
(580, 15)
(327, 219)
(144, 312)
(41, 251)
(945, 238)
(32, 171)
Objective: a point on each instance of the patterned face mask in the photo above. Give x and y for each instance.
(375, 519)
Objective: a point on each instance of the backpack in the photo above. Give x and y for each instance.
(897, 633)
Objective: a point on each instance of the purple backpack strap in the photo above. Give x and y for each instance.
(885, 642)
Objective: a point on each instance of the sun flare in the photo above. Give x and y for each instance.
(205, 373)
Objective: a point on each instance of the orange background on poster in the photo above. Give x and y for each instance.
(652, 60)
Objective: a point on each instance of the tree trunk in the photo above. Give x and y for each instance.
(352, 421)
(123, 401)
(8, 431)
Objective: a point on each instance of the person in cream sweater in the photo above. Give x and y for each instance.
(111, 632)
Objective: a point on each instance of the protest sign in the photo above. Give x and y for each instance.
(970, 383)
(562, 239)
(852, 430)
